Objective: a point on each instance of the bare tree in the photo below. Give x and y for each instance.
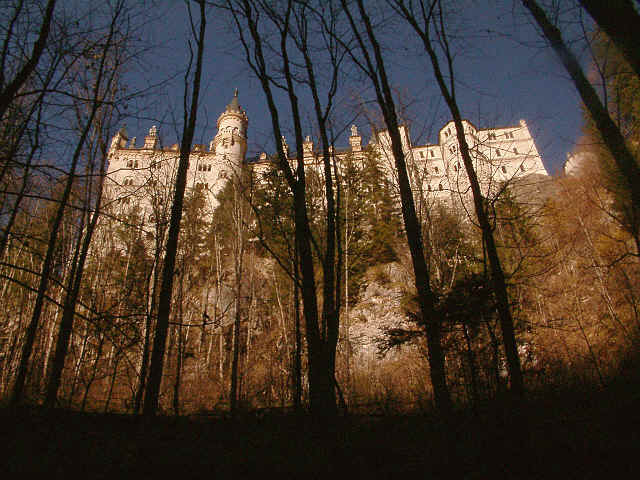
(611, 135)
(422, 17)
(621, 22)
(104, 78)
(9, 87)
(375, 69)
(290, 19)
(166, 289)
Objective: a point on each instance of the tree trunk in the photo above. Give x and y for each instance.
(497, 274)
(47, 264)
(611, 135)
(621, 22)
(164, 307)
(377, 73)
(69, 310)
(9, 92)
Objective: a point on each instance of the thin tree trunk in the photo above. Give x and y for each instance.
(47, 265)
(94, 373)
(610, 133)
(621, 22)
(378, 75)
(78, 366)
(297, 363)
(497, 274)
(164, 307)
(75, 281)
(9, 92)
(112, 383)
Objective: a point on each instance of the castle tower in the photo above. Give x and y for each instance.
(230, 143)
(119, 139)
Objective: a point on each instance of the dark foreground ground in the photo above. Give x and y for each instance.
(573, 435)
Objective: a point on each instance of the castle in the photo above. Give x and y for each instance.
(137, 173)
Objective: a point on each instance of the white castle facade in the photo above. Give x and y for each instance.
(142, 175)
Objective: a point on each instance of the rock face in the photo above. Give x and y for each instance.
(379, 307)
(398, 380)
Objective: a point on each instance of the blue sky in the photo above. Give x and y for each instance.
(505, 73)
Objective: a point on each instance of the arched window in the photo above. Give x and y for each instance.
(515, 150)
(439, 186)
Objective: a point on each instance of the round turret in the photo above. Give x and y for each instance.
(230, 143)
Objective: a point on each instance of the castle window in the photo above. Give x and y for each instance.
(515, 150)
(492, 136)
(431, 153)
(209, 168)
(421, 154)
(130, 164)
(135, 164)
(437, 169)
(522, 167)
(497, 152)
(439, 186)
(429, 188)
(504, 169)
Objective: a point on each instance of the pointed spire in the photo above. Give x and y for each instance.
(234, 105)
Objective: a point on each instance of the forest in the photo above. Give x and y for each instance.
(313, 316)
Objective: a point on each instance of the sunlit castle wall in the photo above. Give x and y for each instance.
(144, 175)
(500, 155)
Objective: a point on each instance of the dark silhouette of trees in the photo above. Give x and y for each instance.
(9, 87)
(428, 16)
(621, 22)
(374, 68)
(610, 133)
(291, 24)
(99, 88)
(166, 289)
